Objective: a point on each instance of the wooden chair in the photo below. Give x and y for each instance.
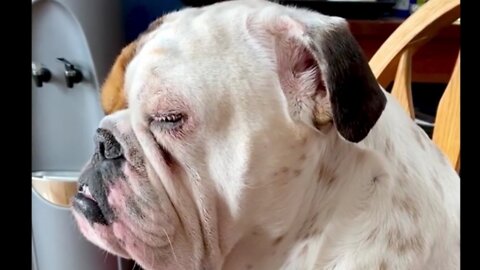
(393, 63)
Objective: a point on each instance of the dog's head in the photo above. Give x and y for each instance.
(225, 105)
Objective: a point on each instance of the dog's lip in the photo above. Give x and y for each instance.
(89, 208)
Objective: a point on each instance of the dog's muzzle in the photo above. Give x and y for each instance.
(95, 179)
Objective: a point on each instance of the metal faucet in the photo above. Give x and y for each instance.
(40, 74)
(72, 74)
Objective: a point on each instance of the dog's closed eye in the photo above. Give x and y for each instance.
(170, 118)
(168, 121)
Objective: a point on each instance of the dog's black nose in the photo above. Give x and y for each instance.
(107, 146)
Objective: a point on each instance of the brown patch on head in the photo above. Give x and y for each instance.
(303, 157)
(297, 173)
(249, 266)
(278, 240)
(113, 95)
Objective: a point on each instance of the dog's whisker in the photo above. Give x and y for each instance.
(153, 257)
(134, 264)
(105, 255)
(171, 246)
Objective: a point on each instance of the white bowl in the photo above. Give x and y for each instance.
(57, 187)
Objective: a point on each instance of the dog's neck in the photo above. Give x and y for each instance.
(345, 173)
(347, 176)
(376, 166)
(310, 206)
(342, 179)
(395, 136)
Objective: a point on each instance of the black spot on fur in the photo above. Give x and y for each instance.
(278, 240)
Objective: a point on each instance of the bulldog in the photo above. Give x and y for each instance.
(251, 135)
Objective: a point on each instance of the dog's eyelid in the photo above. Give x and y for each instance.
(169, 117)
(168, 121)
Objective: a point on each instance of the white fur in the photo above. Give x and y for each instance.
(258, 214)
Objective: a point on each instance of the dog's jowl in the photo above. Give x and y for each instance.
(251, 135)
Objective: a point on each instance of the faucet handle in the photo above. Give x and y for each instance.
(40, 74)
(72, 74)
(68, 65)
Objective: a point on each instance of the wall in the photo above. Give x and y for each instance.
(137, 14)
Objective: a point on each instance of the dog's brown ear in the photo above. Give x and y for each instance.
(322, 68)
(113, 96)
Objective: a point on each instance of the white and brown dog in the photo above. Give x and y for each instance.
(256, 137)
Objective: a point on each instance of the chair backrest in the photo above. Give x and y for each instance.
(393, 63)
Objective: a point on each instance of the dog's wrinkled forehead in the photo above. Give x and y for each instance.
(252, 58)
(193, 56)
